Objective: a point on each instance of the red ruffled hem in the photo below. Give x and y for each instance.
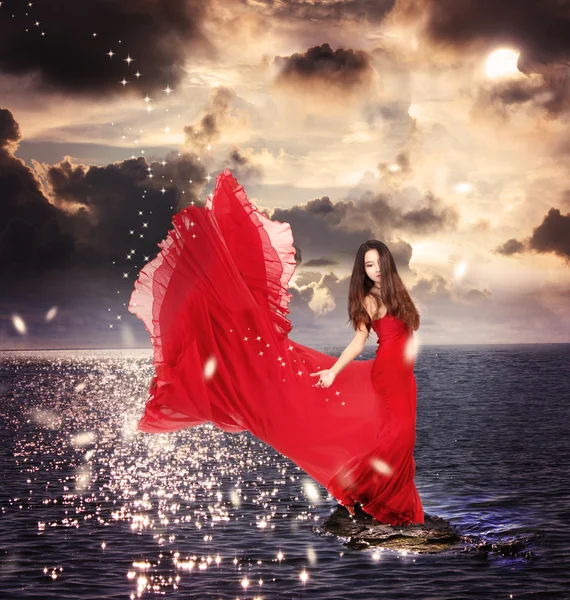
(175, 279)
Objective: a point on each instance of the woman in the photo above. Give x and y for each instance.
(214, 302)
(374, 277)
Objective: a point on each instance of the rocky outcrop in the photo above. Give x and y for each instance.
(435, 535)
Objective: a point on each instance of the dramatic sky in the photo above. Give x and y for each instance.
(441, 127)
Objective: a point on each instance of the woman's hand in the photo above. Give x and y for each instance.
(326, 378)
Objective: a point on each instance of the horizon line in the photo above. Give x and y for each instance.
(322, 346)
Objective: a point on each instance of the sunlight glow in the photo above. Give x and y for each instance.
(463, 188)
(460, 269)
(502, 62)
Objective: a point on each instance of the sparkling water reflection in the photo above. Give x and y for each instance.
(91, 508)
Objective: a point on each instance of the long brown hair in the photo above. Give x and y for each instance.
(393, 292)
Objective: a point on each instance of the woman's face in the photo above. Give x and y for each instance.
(372, 265)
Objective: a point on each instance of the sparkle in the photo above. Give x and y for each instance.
(128, 60)
(131, 232)
(290, 347)
(163, 190)
(245, 339)
(147, 99)
(168, 90)
(137, 74)
(140, 212)
(261, 354)
(110, 54)
(145, 224)
(258, 338)
(125, 275)
(300, 373)
(167, 130)
(124, 82)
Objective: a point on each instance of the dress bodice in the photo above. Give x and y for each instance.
(389, 327)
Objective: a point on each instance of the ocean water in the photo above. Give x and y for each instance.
(89, 508)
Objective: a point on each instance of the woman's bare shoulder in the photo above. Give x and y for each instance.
(377, 307)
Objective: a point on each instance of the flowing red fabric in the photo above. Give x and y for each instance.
(214, 302)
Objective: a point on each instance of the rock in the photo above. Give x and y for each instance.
(435, 535)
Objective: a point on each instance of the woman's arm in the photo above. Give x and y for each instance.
(348, 355)
(356, 346)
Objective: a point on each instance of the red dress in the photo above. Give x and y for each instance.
(214, 302)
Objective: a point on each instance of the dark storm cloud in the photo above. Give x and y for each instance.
(111, 197)
(243, 168)
(538, 28)
(337, 10)
(428, 219)
(216, 113)
(344, 69)
(551, 91)
(320, 224)
(68, 241)
(551, 236)
(512, 246)
(321, 262)
(31, 229)
(9, 129)
(90, 212)
(157, 35)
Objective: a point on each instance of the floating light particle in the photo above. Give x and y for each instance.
(51, 313)
(210, 367)
(381, 466)
(19, 324)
